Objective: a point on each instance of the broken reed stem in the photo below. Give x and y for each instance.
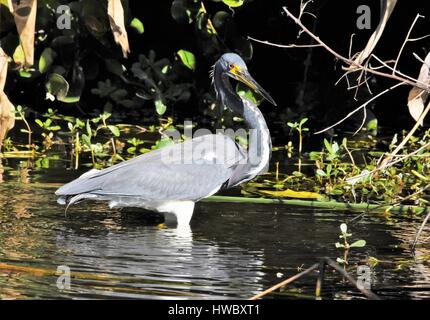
(420, 230)
(320, 279)
(285, 282)
(369, 294)
(321, 266)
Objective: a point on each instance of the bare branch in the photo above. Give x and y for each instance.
(352, 63)
(406, 40)
(285, 46)
(361, 107)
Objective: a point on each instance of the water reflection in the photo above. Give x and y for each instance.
(230, 250)
(167, 259)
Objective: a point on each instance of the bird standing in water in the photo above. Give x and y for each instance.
(171, 179)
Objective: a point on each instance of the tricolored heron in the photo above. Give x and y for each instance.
(162, 181)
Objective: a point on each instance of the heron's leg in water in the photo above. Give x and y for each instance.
(177, 212)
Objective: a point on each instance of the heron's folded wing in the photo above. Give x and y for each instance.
(186, 171)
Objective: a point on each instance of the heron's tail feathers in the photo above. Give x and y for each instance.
(70, 200)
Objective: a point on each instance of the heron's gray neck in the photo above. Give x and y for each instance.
(260, 144)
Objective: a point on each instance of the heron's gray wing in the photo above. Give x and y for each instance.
(190, 170)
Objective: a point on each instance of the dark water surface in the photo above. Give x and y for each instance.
(229, 251)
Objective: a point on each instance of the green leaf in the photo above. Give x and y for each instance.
(18, 55)
(184, 11)
(358, 244)
(233, 3)
(165, 69)
(335, 147)
(328, 146)
(46, 59)
(321, 173)
(114, 130)
(24, 74)
(86, 140)
(137, 25)
(372, 126)
(188, 59)
(303, 121)
(57, 86)
(70, 99)
(343, 228)
(89, 131)
(372, 261)
(163, 142)
(39, 122)
(54, 128)
(80, 123)
(160, 107)
(144, 150)
(249, 94)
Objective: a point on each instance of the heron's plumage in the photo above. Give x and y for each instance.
(162, 174)
(170, 180)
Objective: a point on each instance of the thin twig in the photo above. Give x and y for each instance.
(350, 45)
(320, 279)
(363, 121)
(406, 40)
(419, 38)
(361, 107)
(396, 71)
(285, 46)
(285, 282)
(420, 230)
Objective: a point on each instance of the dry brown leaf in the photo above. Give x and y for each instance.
(417, 97)
(24, 12)
(116, 20)
(3, 69)
(387, 7)
(7, 115)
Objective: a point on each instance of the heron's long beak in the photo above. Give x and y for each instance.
(245, 77)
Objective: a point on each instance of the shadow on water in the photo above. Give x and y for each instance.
(230, 250)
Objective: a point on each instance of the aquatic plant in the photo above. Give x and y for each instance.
(345, 245)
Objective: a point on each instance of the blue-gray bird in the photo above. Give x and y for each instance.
(171, 179)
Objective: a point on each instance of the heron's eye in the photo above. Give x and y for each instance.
(233, 68)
